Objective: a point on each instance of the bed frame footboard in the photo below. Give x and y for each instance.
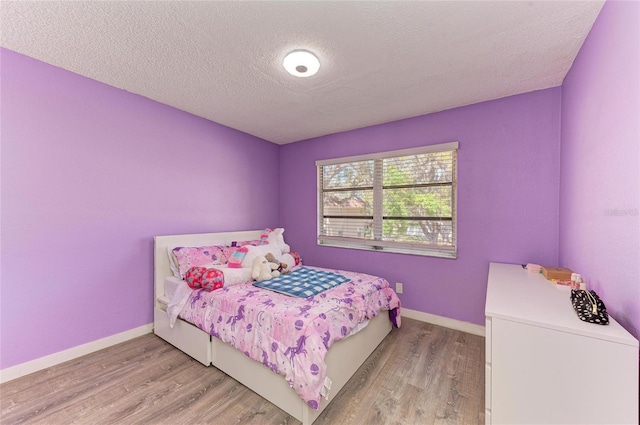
(343, 360)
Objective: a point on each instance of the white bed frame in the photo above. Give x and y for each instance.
(343, 359)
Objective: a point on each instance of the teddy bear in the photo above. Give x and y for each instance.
(261, 269)
(264, 267)
(277, 267)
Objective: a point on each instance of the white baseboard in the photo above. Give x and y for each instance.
(458, 325)
(26, 368)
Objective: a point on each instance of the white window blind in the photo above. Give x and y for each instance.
(400, 201)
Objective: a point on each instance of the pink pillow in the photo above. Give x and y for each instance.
(196, 256)
(235, 255)
(296, 257)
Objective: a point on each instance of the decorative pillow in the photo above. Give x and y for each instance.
(196, 256)
(235, 256)
(296, 258)
(202, 277)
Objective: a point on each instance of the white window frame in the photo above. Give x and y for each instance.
(445, 251)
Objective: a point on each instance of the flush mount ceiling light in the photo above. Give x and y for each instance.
(301, 63)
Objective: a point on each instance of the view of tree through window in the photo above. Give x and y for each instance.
(403, 201)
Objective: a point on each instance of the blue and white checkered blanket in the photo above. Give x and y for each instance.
(303, 282)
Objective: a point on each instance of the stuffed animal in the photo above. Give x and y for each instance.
(276, 237)
(273, 242)
(261, 269)
(277, 267)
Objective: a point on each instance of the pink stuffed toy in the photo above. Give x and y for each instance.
(202, 277)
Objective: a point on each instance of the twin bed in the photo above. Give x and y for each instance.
(313, 344)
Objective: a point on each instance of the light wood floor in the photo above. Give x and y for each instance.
(420, 374)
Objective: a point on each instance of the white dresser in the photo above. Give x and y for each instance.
(546, 366)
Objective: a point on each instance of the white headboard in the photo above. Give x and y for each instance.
(161, 266)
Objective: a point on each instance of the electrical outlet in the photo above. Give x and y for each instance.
(398, 288)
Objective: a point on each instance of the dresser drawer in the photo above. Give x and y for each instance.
(188, 337)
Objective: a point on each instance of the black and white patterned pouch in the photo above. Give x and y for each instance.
(589, 307)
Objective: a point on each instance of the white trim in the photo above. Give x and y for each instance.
(458, 325)
(440, 147)
(320, 204)
(388, 246)
(26, 368)
(378, 198)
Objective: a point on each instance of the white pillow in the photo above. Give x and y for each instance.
(235, 276)
(173, 262)
(256, 251)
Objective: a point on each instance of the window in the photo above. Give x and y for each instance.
(401, 201)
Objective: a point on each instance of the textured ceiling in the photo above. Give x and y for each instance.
(380, 61)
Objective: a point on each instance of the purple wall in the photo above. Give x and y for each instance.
(507, 198)
(90, 174)
(600, 181)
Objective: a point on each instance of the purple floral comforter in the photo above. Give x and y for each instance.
(291, 335)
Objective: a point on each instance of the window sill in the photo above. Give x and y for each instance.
(391, 250)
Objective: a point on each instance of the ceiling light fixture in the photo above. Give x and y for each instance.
(301, 63)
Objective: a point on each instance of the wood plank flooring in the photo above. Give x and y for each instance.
(420, 374)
